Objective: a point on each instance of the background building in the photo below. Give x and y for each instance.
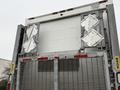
(3, 65)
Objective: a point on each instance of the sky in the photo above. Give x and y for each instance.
(14, 12)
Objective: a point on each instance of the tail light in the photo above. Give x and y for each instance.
(119, 88)
(8, 88)
(43, 58)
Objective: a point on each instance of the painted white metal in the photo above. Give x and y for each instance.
(60, 35)
(74, 11)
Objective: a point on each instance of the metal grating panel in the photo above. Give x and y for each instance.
(36, 75)
(73, 74)
(83, 74)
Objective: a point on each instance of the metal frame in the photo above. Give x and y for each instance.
(68, 12)
(113, 30)
(98, 54)
(17, 50)
(114, 46)
(18, 75)
(113, 38)
(107, 72)
(56, 74)
(18, 42)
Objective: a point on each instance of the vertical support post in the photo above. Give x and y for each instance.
(17, 50)
(18, 76)
(113, 30)
(113, 36)
(107, 76)
(56, 74)
(18, 43)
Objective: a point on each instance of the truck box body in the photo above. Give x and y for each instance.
(73, 49)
